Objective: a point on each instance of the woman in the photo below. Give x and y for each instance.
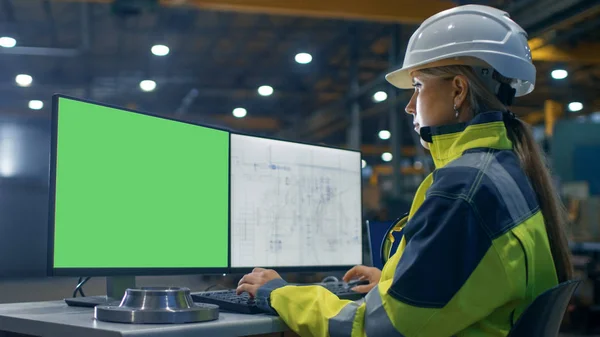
(483, 236)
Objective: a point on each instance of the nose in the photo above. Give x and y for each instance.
(410, 107)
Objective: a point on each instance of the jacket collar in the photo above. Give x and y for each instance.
(448, 142)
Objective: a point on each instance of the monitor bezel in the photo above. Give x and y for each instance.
(136, 271)
(298, 269)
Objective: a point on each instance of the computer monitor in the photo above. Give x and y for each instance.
(377, 230)
(294, 206)
(135, 194)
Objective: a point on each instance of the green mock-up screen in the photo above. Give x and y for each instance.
(136, 191)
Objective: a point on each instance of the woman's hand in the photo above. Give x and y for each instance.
(257, 278)
(371, 274)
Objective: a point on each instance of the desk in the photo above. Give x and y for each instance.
(55, 318)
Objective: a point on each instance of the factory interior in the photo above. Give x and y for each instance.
(309, 72)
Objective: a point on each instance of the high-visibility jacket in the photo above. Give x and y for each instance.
(474, 251)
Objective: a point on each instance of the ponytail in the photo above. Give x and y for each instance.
(554, 212)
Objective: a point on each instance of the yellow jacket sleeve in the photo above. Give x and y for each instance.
(449, 277)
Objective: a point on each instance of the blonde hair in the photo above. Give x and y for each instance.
(481, 99)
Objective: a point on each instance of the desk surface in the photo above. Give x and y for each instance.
(55, 318)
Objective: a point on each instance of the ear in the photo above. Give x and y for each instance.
(460, 86)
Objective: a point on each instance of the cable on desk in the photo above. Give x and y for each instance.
(79, 287)
(330, 278)
(214, 285)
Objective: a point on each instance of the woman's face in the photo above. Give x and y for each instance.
(432, 103)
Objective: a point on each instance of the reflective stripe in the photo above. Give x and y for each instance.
(509, 191)
(377, 322)
(473, 159)
(341, 324)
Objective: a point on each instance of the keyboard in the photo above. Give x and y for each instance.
(228, 300)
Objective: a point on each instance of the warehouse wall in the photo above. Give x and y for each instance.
(575, 148)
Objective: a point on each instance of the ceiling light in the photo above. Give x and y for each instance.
(147, 85)
(575, 106)
(559, 74)
(385, 134)
(363, 163)
(36, 105)
(386, 156)
(23, 80)
(380, 96)
(303, 58)
(160, 50)
(265, 90)
(239, 112)
(7, 42)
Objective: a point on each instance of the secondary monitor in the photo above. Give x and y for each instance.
(135, 194)
(377, 231)
(294, 206)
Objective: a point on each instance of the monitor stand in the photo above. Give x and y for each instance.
(115, 289)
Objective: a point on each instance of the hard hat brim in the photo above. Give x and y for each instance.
(403, 78)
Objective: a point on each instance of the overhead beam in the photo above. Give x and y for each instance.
(401, 11)
(582, 53)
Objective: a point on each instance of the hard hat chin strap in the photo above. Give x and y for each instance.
(505, 92)
(497, 83)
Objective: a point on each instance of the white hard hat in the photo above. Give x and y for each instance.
(473, 35)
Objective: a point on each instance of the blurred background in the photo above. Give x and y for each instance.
(310, 71)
